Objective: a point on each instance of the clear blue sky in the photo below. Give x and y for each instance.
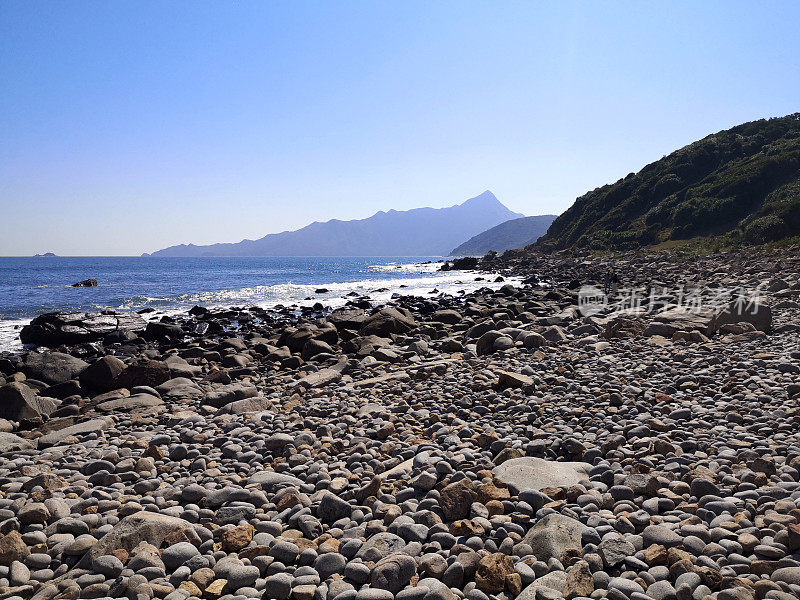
(130, 126)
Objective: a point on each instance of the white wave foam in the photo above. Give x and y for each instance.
(379, 290)
(9, 334)
(431, 267)
(290, 294)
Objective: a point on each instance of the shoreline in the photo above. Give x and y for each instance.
(289, 294)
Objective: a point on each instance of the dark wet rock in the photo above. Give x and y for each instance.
(18, 402)
(449, 316)
(53, 367)
(86, 283)
(56, 328)
(347, 319)
(100, 375)
(158, 330)
(388, 321)
(147, 372)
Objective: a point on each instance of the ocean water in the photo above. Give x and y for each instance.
(30, 286)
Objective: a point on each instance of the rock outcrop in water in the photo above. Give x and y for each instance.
(86, 283)
(495, 445)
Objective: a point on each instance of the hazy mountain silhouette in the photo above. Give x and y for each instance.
(516, 233)
(416, 232)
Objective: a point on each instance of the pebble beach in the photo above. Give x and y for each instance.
(494, 445)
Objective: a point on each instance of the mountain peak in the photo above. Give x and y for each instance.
(484, 199)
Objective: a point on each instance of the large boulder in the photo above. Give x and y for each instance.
(347, 318)
(387, 321)
(100, 375)
(507, 379)
(492, 571)
(18, 402)
(231, 392)
(554, 534)
(530, 473)
(742, 311)
(485, 343)
(56, 437)
(271, 481)
(180, 367)
(151, 373)
(56, 328)
(313, 347)
(447, 316)
(364, 346)
(322, 377)
(393, 572)
(456, 499)
(552, 585)
(135, 402)
(667, 322)
(53, 367)
(156, 330)
(143, 526)
(12, 443)
(296, 337)
(248, 405)
(380, 546)
(179, 387)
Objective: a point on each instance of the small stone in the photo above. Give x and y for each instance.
(237, 538)
(177, 554)
(492, 571)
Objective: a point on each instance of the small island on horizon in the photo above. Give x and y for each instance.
(45, 255)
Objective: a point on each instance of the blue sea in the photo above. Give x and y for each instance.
(33, 285)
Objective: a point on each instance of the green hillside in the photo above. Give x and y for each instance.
(743, 182)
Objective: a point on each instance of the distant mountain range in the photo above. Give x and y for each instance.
(516, 233)
(416, 232)
(742, 184)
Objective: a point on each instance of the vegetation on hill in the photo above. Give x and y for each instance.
(742, 183)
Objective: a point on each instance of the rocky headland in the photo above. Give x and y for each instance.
(496, 445)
